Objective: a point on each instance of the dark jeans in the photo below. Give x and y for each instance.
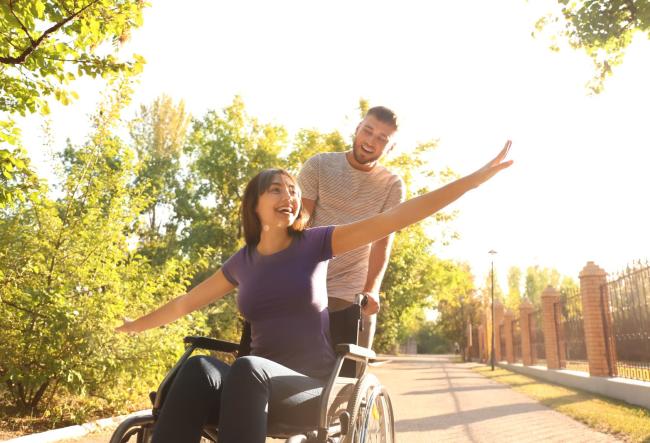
(240, 398)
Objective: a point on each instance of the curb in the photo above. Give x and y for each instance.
(75, 431)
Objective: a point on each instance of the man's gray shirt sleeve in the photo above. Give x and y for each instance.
(308, 178)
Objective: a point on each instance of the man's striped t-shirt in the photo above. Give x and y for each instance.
(343, 194)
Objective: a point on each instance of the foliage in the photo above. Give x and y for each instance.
(513, 299)
(17, 181)
(159, 134)
(224, 149)
(459, 306)
(602, 28)
(414, 277)
(431, 341)
(486, 290)
(135, 225)
(69, 276)
(537, 279)
(416, 280)
(309, 142)
(47, 44)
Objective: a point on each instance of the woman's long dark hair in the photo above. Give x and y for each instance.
(250, 221)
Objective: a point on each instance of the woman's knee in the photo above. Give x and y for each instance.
(205, 371)
(249, 366)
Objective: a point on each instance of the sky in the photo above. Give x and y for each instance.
(468, 74)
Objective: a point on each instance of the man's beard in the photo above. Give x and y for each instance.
(356, 148)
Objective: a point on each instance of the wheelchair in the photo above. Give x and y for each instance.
(355, 407)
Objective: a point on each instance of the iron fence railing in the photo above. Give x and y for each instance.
(629, 303)
(571, 333)
(537, 338)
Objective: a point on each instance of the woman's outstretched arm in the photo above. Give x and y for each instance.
(351, 236)
(209, 290)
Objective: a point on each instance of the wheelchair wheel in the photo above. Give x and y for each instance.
(134, 430)
(371, 413)
(140, 430)
(378, 419)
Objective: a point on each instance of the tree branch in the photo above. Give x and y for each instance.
(22, 26)
(20, 308)
(22, 57)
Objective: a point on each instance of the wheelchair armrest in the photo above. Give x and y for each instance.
(211, 344)
(355, 352)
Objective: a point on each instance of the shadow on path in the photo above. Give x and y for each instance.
(465, 418)
(457, 389)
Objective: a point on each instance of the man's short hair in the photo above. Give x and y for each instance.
(383, 114)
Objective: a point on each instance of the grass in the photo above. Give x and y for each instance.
(631, 423)
(64, 410)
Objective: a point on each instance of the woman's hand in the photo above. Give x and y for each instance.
(492, 167)
(126, 327)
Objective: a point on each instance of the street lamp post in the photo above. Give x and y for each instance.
(492, 252)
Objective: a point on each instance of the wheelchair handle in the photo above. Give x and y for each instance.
(361, 299)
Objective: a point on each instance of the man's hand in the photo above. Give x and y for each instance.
(372, 306)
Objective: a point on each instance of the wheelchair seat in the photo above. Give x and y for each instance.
(355, 407)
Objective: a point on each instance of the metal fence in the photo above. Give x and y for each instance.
(629, 302)
(516, 340)
(537, 338)
(571, 332)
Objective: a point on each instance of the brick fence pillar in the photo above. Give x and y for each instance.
(467, 351)
(550, 297)
(525, 310)
(507, 330)
(498, 324)
(481, 343)
(596, 322)
(488, 333)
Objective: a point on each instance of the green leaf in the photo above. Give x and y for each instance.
(39, 8)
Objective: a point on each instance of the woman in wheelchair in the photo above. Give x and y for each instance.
(281, 279)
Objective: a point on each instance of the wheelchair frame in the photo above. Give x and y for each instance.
(352, 400)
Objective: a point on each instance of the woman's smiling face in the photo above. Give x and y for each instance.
(279, 205)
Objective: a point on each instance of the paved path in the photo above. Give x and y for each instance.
(437, 401)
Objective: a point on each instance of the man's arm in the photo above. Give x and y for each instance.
(377, 264)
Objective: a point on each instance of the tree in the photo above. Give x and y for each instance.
(414, 278)
(69, 275)
(455, 314)
(513, 299)
(46, 44)
(309, 142)
(44, 40)
(225, 149)
(159, 134)
(409, 286)
(537, 279)
(602, 28)
(17, 180)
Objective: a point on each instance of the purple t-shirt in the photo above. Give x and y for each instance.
(284, 298)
